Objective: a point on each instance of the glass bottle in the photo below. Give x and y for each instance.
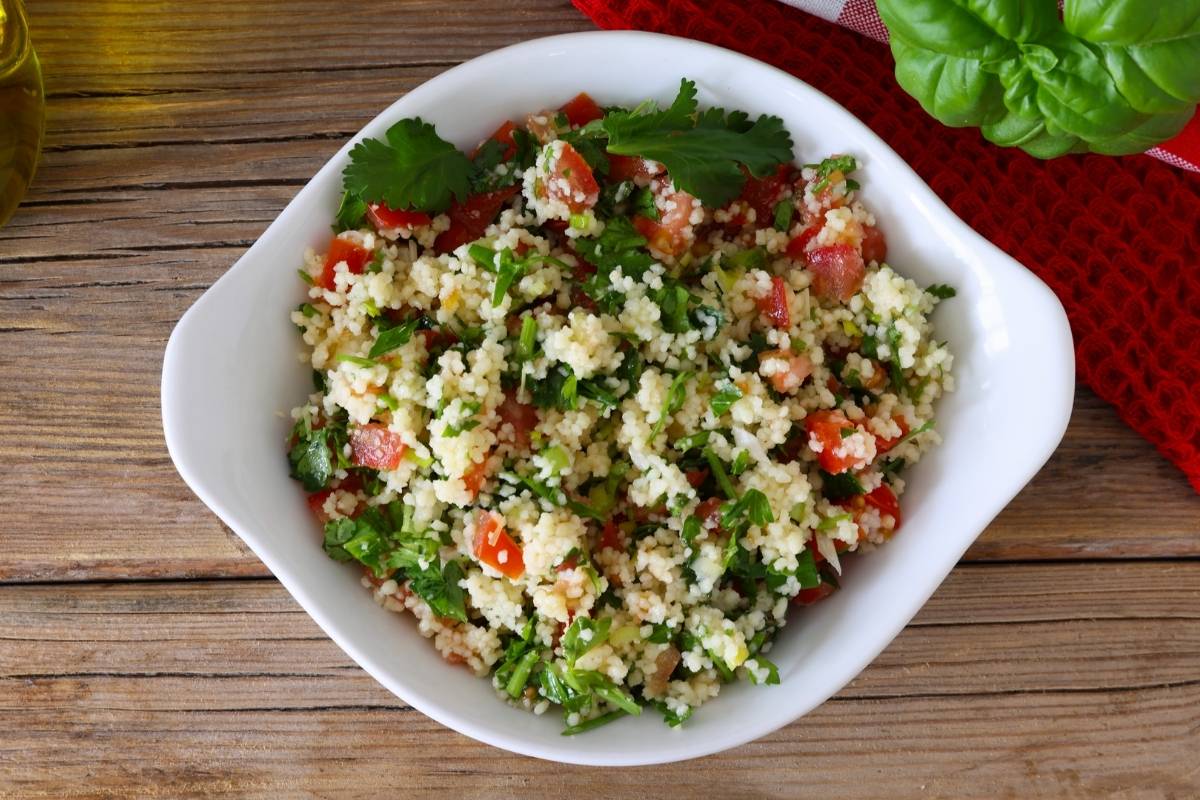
(22, 107)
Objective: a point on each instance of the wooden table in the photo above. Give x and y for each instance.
(145, 651)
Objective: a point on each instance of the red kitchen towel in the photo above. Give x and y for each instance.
(861, 15)
(1118, 239)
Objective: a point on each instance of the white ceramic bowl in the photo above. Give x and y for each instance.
(231, 367)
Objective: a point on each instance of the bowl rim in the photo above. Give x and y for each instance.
(1057, 416)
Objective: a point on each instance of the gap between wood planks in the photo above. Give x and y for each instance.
(261, 575)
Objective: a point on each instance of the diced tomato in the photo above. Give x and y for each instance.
(384, 218)
(494, 547)
(582, 109)
(774, 304)
(316, 504)
(567, 563)
(438, 337)
(672, 233)
(826, 427)
(584, 269)
(340, 250)
(799, 368)
(372, 578)
(696, 477)
(504, 135)
(522, 417)
(806, 597)
(874, 245)
(469, 220)
(571, 181)
(837, 271)
(351, 483)
(883, 445)
(762, 194)
(474, 477)
(796, 247)
(375, 446)
(632, 168)
(884, 499)
(709, 512)
(610, 537)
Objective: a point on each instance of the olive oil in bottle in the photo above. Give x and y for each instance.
(22, 107)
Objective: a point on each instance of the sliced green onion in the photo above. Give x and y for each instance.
(304, 276)
(698, 439)
(557, 458)
(579, 221)
(830, 523)
(359, 360)
(528, 339)
(520, 674)
(484, 257)
(420, 461)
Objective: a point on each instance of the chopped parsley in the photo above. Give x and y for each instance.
(644, 205)
(784, 210)
(825, 170)
(391, 338)
(350, 214)
(727, 394)
(676, 395)
(942, 291)
(841, 486)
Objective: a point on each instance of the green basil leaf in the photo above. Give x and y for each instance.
(1131, 21)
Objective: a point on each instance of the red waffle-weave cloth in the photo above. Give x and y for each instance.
(1118, 239)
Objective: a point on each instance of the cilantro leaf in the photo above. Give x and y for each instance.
(701, 151)
(413, 169)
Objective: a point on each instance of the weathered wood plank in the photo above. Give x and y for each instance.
(1085, 679)
(123, 231)
(100, 47)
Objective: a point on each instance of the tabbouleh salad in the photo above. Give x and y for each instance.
(603, 401)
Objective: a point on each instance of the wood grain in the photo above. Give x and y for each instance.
(1062, 660)
(228, 687)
